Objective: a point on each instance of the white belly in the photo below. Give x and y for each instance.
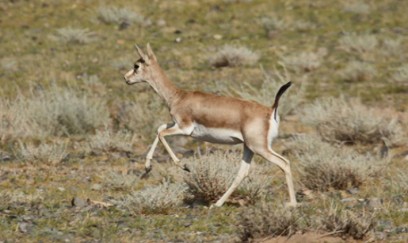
(216, 135)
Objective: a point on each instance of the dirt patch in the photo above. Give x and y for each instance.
(310, 237)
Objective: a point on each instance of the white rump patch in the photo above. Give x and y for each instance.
(273, 128)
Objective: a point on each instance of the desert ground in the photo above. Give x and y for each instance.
(74, 136)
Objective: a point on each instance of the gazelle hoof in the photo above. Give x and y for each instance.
(146, 174)
(292, 205)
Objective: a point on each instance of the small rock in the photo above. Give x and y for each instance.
(78, 202)
(61, 189)
(217, 37)
(178, 40)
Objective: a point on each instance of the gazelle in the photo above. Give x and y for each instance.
(215, 119)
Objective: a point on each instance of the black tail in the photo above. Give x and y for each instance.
(277, 97)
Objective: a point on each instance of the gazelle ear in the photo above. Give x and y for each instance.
(140, 52)
(150, 53)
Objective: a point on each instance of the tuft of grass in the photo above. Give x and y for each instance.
(352, 42)
(347, 223)
(119, 16)
(401, 74)
(58, 111)
(270, 86)
(357, 71)
(323, 166)
(122, 182)
(339, 120)
(357, 7)
(212, 174)
(52, 153)
(392, 46)
(71, 35)
(108, 141)
(271, 220)
(9, 64)
(232, 56)
(304, 61)
(155, 199)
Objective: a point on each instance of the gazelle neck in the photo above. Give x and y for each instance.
(163, 86)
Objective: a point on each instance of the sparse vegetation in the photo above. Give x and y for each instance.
(361, 44)
(212, 174)
(71, 35)
(339, 120)
(74, 136)
(232, 56)
(155, 199)
(48, 153)
(119, 16)
(304, 61)
(324, 166)
(356, 71)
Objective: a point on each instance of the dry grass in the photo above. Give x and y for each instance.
(269, 219)
(212, 174)
(348, 223)
(155, 199)
(357, 7)
(52, 153)
(349, 121)
(324, 166)
(361, 44)
(304, 61)
(109, 141)
(119, 16)
(356, 71)
(232, 56)
(120, 182)
(71, 35)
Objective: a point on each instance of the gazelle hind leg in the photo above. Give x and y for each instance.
(242, 173)
(284, 165)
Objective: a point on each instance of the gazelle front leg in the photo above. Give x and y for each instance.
(149, 156)
(174, 130)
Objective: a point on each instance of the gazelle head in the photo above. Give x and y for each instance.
(143, 69)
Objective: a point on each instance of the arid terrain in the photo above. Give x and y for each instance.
(74, 136)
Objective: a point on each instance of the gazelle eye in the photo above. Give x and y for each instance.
(135, 66)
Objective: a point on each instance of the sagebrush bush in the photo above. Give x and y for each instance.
(323, 166)
(304, 61)
(108, 141)
(392, 46)
(356, 71)
(352, 42)
(115, 15)
(118, 181)
(9, 64)
(56, 111)
(270, 86)
(52, 153)
(212, 174)
(74, 35)
(233, 56)
(155, 199)
(349, 121)
(347, 223)
(270, 220)
(356, 7)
